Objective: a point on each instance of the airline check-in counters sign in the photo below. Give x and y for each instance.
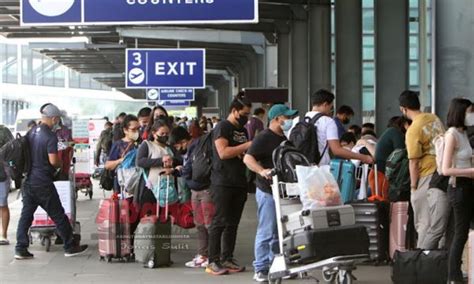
(171, 97)
(129, 12)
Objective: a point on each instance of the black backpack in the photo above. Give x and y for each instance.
(285, 159)
(304, 137)
(202, 160)
(16, 155)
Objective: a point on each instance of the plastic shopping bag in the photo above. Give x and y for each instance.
(318, 188)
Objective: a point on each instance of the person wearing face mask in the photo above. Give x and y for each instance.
(259, 160)
(152, 157)
(430, 204)
(228, 186)
(158, 113)
(120, 148)
(343, 117)
(39, 189)
(457, 163)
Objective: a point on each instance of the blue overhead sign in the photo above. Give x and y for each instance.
(128, 12)
(171, 104)
(165, 68)
(176, 94)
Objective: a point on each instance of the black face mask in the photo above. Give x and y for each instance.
(345, 121)
(183, 151)
(160, 117)
(242, 120)
(162, 139)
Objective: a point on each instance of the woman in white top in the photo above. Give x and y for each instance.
(457, 163)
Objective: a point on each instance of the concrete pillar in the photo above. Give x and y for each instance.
(349, 56)
(271, 66)
(454, 56)
(283, 60)
(261, 69)
(299, 88)
(391, 58)
(253, 72)
(320, 46)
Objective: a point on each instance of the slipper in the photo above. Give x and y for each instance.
(4, 242)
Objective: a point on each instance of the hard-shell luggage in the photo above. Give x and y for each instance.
(321, 218)
(315, 245)
(375, 217)
(345, 174)
(420, 267)
(470, 257)
(152, 242)
(113, 225)
(398, 226)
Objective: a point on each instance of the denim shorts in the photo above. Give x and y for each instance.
(4, 191)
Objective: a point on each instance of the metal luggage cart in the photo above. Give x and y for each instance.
(334, 270)
(82, 171)
(43, 227)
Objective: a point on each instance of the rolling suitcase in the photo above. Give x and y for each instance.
(345, 174)
(321, 218)
(375, 217)
(398, 227)
(152, 241)
(315, 245)
(113, 225)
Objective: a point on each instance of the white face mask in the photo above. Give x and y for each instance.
(469, 120)
(135, 136)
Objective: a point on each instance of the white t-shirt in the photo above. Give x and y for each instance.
(327, 130)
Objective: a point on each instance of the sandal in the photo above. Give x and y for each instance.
(4, 242)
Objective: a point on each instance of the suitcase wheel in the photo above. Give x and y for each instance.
(150, 264)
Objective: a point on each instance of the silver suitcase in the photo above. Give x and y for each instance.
(322, 218)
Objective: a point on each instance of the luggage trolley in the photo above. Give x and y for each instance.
(82, 174)
(43, 227)
(335, 270)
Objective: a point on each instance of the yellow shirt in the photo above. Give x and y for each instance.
(419, 141)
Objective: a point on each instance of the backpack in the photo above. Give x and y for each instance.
(304, 137)
(202, 160)
(16, 155)
(397, 172)
(285, 159)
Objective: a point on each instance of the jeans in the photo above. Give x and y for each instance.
(47, 198)
(266, 239)
(203, 208)
(461, 198)
(439, 216)
(229, 203)
(421, 212)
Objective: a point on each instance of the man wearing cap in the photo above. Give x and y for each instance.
(39, 189)
(259, 160)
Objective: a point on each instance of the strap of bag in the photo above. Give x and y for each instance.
(126, 149)
(313, 121)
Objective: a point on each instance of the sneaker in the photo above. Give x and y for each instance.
(232, 266)
(4, 242)
(261, 277)
(216, 268)
(58, 241)
(75, 251)
(198, 262)
(24, 254)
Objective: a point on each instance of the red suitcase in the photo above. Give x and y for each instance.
(113, 224)
(398, 226)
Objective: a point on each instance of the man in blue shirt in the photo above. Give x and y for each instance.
(343, 116)
(39, 189)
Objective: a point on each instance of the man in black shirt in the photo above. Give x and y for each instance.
(39, 189)
(228, 187)
(259, 160)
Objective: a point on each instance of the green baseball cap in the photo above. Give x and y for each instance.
(278, 110)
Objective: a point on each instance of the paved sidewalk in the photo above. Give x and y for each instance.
(53, 267)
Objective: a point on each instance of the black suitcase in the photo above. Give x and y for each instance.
(375, 217)
(315, 245)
